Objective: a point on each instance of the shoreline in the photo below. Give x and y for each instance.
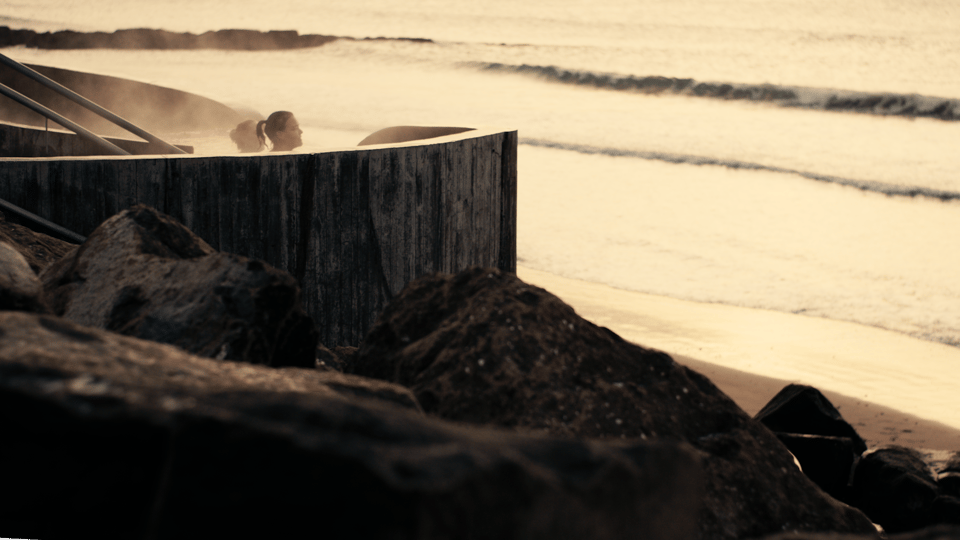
(877, 424)
(752, 354)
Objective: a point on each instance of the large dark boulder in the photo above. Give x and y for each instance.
(106, 436)
(486, 348)
(895, 487)
(825, 445)
(142, 274)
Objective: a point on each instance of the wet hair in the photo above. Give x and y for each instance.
(274, 124)
(245, 136)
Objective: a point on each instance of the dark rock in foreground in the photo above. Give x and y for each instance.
(108, 436)
(895, 487)
(142, 274)
(486, 348)
(804, 409)
(825, 444)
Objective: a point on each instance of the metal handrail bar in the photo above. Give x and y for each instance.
(76, 128)
(57, 230)
(70, 94)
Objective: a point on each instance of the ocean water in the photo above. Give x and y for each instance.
(633, 171)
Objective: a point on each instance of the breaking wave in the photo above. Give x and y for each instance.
(689, 159)
(887, 104)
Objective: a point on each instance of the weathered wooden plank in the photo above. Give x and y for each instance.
(151, 174)
(393, 207)
(90, 209)
(323, 274)
(126, 182)
(289, 190)
(56, 193)
(428, 205)
(110, 189)
(456, 179)
(350, 240)
(248, 205)
(188, 171)
(227, 195)
(17, 180)
(173, 190)
(483, 204)
(508, 203)
(207, 201)
(270, 174)
(366, 254)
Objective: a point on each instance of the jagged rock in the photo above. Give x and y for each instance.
(825, 444)
(894, 486)
(142, 274)
(107, 436)
(949, 483)
(20, 288)
(804, 409)
(484, 347)
(38, 249)
(948, 478)
(828, 461)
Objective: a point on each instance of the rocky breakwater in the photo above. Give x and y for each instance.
(483, 347)
(114, 436)
(478, 407)
(149, 38)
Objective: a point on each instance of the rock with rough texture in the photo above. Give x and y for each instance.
(116, 437)
(20, 288)
(895, 487)
(948, 478)
(804, 409)
(825, 444)
(38, 249)
(486, 348)
(142, 274)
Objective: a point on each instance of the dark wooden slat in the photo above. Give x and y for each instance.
(428, 224)
(508, 203)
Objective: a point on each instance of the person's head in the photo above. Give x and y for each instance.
(282, 129)
(245, 136)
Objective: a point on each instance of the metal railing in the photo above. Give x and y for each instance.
(82, 101)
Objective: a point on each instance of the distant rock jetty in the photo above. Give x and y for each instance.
(146, 38)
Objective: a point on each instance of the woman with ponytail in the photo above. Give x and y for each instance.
(282, 129)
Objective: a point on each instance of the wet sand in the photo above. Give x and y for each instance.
(892, 388)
